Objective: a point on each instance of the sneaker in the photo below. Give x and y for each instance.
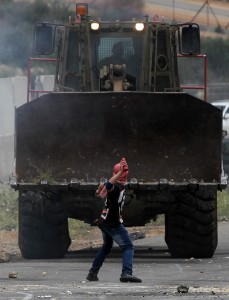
(92, 277)
(129, 278)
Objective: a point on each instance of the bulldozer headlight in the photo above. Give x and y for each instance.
(139, 26)
(94, 25)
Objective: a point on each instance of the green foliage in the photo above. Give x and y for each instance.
(217, 51)
(38, 11)
(42, 10)
(42, 173)
(77, 228)
(15, 46)
(8, 208)
(18, 19)
(223, 204)
(5, 7)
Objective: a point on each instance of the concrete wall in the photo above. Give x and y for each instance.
(12, 94)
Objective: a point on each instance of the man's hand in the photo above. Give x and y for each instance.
(123, 165)
(119, 171)
(100, 187)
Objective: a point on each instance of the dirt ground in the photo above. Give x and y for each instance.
(9, 250)
(92, 238)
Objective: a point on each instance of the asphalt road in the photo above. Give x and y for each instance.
(161, 275)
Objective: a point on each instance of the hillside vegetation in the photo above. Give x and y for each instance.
(17, 19)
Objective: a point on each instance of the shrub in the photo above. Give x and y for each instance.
(9, 212)
(8, 208)
(223, 204)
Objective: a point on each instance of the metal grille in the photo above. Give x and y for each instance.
(72, 78)
(72, 82)
(162, 43)
(162, 82)
(161, 73)
(72, 64)
(119, 50)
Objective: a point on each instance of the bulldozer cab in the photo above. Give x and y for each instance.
(116, 56)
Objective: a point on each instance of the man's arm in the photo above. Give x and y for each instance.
(109, 185)
(116, 176)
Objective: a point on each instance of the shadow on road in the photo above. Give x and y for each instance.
(140, 252)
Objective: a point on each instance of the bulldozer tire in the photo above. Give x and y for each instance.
(43, 226)
(191, 225)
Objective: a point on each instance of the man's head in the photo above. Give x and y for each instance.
(118, 49)
(122, 165)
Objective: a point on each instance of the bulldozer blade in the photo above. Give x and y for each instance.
(174, 136)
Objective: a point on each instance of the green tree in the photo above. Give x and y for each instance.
(15, 50)
(217, 51)
(17, 20)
